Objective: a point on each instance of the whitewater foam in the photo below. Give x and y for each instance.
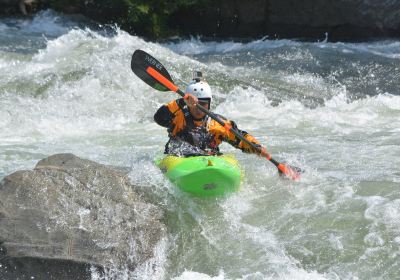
(332, 109)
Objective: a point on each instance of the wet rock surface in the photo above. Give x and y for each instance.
(70, 210)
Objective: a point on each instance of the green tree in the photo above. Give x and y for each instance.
(147, 18)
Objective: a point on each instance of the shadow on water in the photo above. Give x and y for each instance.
(34, 268)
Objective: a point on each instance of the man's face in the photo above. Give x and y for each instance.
(197, 113)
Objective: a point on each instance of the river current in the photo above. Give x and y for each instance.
(332, 109)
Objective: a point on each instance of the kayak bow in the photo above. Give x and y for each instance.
(203, 175)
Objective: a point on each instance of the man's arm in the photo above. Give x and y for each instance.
(237, 143)
(163, 116)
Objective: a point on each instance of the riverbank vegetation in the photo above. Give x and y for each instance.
(148, 18)
(339, 20)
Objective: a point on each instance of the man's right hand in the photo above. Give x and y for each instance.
(191, 100)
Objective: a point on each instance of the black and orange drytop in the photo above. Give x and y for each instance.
(206, 133)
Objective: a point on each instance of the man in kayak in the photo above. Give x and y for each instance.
(191, 131)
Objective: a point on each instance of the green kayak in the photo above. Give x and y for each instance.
(203, 175)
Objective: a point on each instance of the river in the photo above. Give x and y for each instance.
(332, 109)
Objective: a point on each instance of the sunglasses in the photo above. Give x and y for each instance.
(204, 103)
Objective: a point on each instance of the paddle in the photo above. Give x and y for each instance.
(153, 73)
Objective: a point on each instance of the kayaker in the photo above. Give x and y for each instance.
(191, 131)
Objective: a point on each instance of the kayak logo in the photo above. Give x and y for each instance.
(163, 169)
(209, 186)
(153, 62)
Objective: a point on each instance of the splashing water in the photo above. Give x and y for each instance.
(331, 108)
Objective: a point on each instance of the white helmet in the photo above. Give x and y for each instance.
(199, 88)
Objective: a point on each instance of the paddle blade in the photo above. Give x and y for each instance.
(288, 171)
(141, 60)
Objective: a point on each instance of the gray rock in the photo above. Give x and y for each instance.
(341, 19)
(23, 7)
(74, 209)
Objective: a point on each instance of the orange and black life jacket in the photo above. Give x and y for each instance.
(206, 133)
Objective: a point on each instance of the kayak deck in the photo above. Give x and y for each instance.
(203, 175)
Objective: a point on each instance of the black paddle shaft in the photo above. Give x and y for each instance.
(152, 72)
(222, 123)
(142, 61)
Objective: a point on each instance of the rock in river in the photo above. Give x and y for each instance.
(70, 209)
